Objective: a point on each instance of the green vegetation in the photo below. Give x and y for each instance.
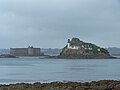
(87, 47)
(104, 50)
(76, 42)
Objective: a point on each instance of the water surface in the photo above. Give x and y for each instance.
(13, 70)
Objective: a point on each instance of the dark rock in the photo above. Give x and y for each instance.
(94, 85)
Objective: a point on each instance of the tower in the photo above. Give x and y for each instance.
(30, 51)
(68, 43)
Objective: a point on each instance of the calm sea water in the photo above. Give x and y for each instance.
(14, 70)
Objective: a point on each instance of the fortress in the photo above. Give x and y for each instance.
(30, 51)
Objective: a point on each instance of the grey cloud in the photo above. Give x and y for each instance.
(49, 23)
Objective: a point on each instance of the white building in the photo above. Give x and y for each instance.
(98, 49)
(73, 46)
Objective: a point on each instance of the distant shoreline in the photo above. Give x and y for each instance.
(51, 57)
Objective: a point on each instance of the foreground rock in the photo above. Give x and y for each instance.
(77, 49)
(94, 85)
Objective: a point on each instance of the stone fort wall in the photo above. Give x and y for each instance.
(30, 51)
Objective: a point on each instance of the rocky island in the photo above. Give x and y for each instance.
(77, 49)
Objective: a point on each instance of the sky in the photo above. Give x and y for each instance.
(50, 23)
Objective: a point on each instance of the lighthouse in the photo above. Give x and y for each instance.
(68, 43)
(71, 46)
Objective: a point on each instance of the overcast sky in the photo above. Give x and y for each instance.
(49, 23)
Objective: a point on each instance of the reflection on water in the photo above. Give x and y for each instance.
(47, 70)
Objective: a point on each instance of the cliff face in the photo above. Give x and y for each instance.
(78, 49)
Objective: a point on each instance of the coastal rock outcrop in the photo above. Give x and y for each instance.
(77, 49)
(94, 85)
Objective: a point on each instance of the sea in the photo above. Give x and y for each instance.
(31, 70)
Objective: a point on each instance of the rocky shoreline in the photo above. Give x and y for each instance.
(63, 57)
(94, 85)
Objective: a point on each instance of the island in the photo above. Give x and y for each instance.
(78, 49)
